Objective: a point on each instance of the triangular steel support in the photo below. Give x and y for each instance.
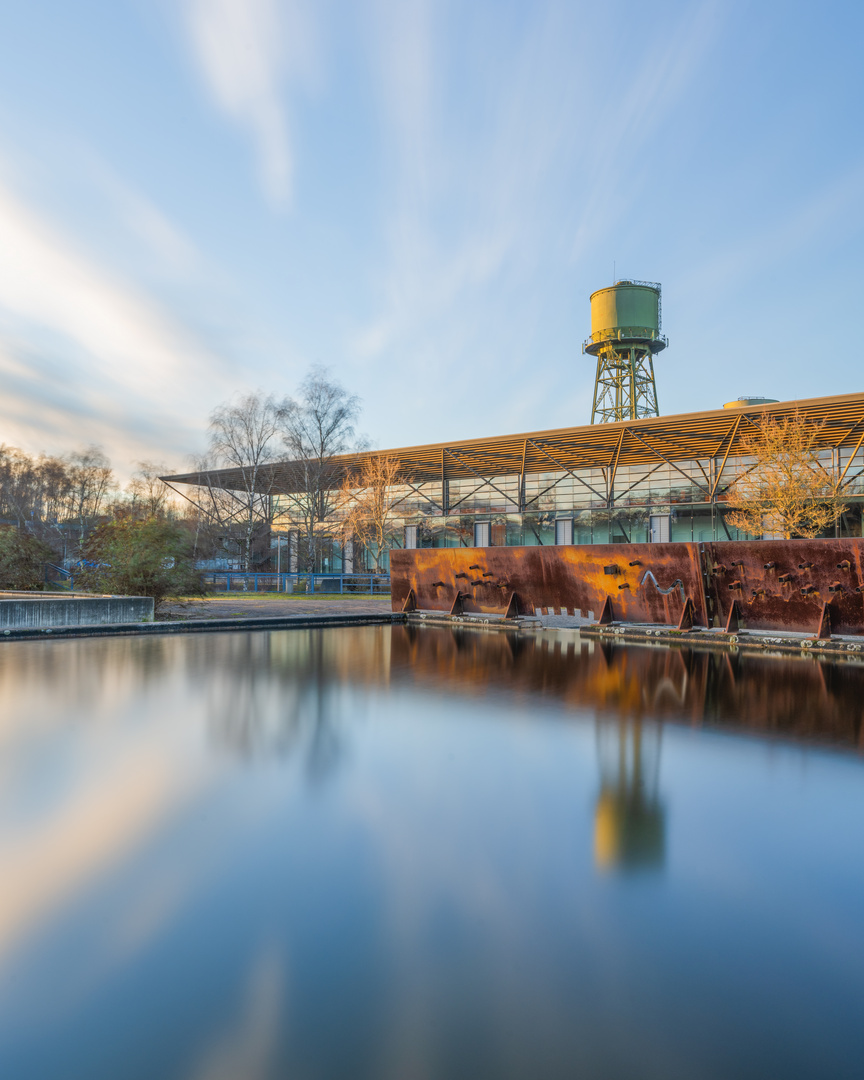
(733, 619)
(512, 611)
(687, 615)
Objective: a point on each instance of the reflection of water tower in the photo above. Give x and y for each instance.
(625, 335)
(629, 819)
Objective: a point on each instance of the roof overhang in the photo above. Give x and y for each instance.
(630, 442)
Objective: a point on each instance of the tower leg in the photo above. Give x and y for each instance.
(624, 387)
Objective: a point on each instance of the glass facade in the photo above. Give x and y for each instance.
(676, 500)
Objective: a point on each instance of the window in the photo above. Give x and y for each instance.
(659, 533)
(410, 536)
(563, 531)
(482, 532)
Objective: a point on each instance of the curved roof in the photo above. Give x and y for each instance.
(675, 438)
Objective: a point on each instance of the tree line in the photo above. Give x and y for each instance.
(59, 499)
(69, 511)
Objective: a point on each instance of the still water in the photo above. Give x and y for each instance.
(396, 852)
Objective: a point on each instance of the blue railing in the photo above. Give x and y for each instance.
(57, 575)
(237, 581)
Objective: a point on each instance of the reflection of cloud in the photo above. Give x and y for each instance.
(45, 864)
(151, 909)
(246, 50)
(247, 1049)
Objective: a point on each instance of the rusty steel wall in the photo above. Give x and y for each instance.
(784, 584)
(648, 583)
(812, 586)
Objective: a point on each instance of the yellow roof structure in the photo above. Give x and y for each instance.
(710, 434)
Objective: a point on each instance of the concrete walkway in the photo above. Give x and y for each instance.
(257, 606)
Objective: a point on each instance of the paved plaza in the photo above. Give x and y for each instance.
(264, 606)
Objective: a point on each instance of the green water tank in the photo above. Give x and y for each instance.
(628, 311)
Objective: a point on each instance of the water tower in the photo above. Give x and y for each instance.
(625, 335)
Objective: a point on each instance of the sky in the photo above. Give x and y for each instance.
(199, 198)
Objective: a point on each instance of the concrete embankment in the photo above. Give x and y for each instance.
(849, 647)
(200, 626)
(840, 647)
(40, 611)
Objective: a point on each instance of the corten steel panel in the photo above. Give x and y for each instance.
(646, 583)
(828, 571)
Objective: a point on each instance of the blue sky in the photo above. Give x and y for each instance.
(199, 197)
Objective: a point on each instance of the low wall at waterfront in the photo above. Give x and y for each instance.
(46, 610)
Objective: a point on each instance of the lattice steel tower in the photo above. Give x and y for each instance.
(625, 335)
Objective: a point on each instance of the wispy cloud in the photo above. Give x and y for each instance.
(85, 355)
(630, 121)
(517, 178)
(468, 186)
(161, 238)
(249, 52)
(814, 222)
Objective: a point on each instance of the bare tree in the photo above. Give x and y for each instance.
(370, 497)
(245, 436)
(148, 494)
(91, 481)
(52, 498)
(318, 426)
(18, 486)
(786, 489)
(54, 487)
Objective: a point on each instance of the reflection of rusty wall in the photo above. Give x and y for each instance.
(777, 584)
(801, 698)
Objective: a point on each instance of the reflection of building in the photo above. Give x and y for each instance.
(657, 478)
(629, 820)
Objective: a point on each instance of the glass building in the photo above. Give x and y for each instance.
(656, 479)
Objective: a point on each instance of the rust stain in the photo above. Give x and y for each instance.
(642, 585)
(776, 584)
(785, 583)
